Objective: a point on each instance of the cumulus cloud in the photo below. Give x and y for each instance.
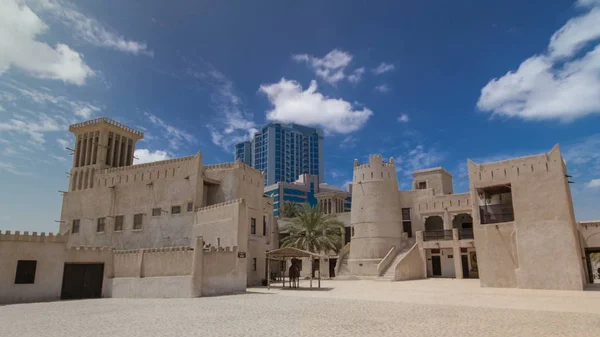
(403, 118)
(291, 104)
(562, 83)
(382, 88)
(142, 156)
(383, 68)
(594, 183)
(331, 66)
(19, 47)
(88, 28)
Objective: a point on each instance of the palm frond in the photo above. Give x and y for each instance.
(313, 231)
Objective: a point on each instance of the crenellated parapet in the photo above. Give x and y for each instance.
(213, 249)
(33, 237)
(75, 127)
(90, 248)
(146, 165)
(153, 250)
(222, 166)
(375, 160)
(375, 170)
(516, 168)
(219, 205)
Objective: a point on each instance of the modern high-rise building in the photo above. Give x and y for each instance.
(284, 152)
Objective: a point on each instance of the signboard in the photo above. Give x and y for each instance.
(242, 255)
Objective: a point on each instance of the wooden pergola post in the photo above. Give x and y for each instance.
(268, 273)
(312, 269)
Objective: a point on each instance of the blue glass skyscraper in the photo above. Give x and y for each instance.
(284, 152)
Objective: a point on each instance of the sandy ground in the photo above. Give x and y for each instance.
(340, 308)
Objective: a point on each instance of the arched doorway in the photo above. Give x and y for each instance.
(434, 223)
(462, 221)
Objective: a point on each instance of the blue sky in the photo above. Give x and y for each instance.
(429, 83)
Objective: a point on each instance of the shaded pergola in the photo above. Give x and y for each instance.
(282, 254)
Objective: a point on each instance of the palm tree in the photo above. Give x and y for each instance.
(289, 210)
(313, 231)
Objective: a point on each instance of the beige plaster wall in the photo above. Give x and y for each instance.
(437, 179)
(411, 266)
(167, 262)
(544, 230)
(151, 287)
(137, 189)
(223, 273)
(590, 233)
(51, 254)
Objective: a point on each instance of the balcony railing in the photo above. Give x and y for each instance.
(437, 235)
(466, 233)
(491, 214)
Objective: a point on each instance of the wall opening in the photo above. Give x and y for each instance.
(495, 204)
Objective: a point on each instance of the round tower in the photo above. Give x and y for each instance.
(376, 217)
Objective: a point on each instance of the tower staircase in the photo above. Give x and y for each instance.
(390, 272)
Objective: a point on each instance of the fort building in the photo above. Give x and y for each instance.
(514, 228)
(140, 212)
(179, 228)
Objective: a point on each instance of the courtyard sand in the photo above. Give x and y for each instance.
(340, 308)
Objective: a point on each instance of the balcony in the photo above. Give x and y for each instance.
(491, 214)
(437, 235)
(466, 233)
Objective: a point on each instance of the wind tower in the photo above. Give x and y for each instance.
(100, 143)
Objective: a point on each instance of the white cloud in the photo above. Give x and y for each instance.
(418, 158)
(175, 136)
(356, 76)
(35, 129)
(403, 118)
(575, 34)
(559, 84)
(86, 111)
(594, 183)
(63, 143)
(142, 156)
(88, 28)
(348, 142)
(233, 123)
(19, 28)
(59, 158)
(293, 105)
(9, 151)
(382, 88)
(10, 168)
(330, 67)
(584, 153)
(383, 68)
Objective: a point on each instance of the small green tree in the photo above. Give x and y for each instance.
(289, 209)
(313, 231)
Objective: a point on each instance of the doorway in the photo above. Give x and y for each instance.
(332, 263)
(82, 281)
(465, 265)
(316, 266)
(436, 266)
(592, 259)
